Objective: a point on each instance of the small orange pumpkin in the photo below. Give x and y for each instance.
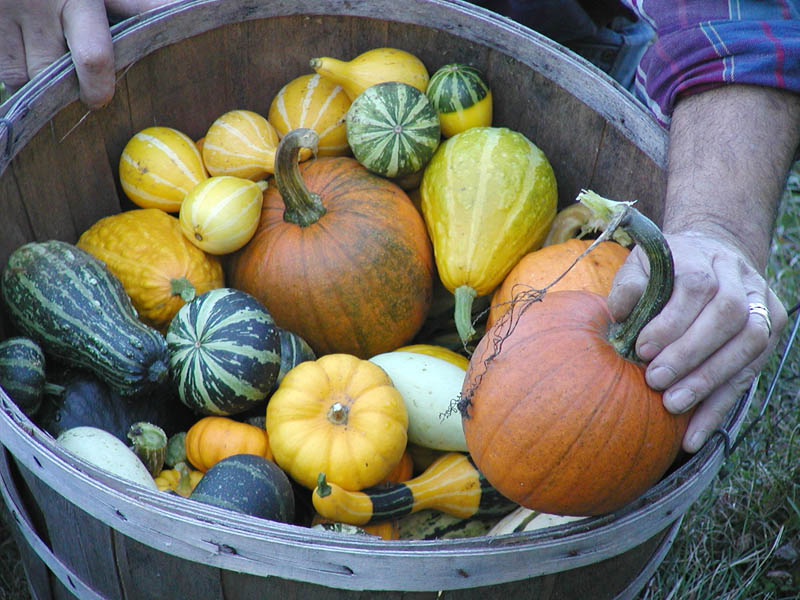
(593, 273)
(211, 439)
(558, 416)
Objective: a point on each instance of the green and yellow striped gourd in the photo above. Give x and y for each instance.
(461, 97)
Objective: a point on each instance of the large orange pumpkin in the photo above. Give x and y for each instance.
(341, 257)
(593, 272)
(558, 417)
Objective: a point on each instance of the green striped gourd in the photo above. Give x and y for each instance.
(393, 129)
(71, 304)
(224, 352)
(461, 97)
(22, 373)
(294, 350)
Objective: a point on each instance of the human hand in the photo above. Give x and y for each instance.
(34, 33)
(705, 347)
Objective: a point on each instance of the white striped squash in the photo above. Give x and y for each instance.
(313, 102)
(461, 97)
(224, 352)
(159, 166)
(393, 129)
(241, 143)
(221, 214)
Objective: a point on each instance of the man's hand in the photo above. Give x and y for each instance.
(34, 33)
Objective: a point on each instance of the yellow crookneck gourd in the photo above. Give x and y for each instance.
(488, 198)
(372, 67)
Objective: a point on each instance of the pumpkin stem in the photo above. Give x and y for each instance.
(464, 296)
(646, 234)
(182, 287)
(323, 489)
(337, 413)
(303, 207)
(150, 445)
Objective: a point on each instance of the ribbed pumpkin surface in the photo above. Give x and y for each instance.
(393, 129)
(488, 197)
(148, 252)
(159, 166)
(357, 281)
(224, 352)
(71, 304)
(461, 97)
(553, 431)
(240, 143)
(221, 214)
(317, 103)
(592, 273)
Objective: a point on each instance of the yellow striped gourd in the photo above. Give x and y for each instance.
(159, 166)
(240, 143)
(488, 198)
(221, 214)
(313, 102)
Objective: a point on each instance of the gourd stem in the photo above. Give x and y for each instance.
(337, 413)
(150, 445)
(303, 207)
(648, 236)
(464, 296)
(182, 287)
(323, 489)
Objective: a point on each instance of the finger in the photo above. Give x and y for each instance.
(706, 310)
(628, 285)
(711, 413)
(13, 70)
(87, 32)
(43, 40)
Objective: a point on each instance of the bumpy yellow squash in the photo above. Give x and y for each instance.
(488, 198)
(158, 267)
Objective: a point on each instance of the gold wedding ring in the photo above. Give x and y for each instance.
(756, 308)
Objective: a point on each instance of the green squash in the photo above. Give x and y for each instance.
(77, 311)
(392, 129)
(224, 352)
(248, 484)
(22, 373)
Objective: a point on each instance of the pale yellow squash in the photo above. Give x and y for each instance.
(313, 102)
(489, 197)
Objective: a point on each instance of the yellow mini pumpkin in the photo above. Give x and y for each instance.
(241, 143)
(339, 415)
(158, 267)
(182, 480)
(221, 214)
(159, 166)
(317, 103)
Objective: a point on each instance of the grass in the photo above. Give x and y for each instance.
(741, 539)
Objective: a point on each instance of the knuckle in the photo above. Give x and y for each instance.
(93, 60)
(698, 283)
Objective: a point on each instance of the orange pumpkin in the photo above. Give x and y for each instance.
(213, 438)
(594, 272)
(341, 257)
(559, 417)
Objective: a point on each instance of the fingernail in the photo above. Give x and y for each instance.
(697, 439)
(661, 377)
(679, 401)
(648, 351)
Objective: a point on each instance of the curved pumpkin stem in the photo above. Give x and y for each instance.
(303, 207)
(464, 296)
(646, 234)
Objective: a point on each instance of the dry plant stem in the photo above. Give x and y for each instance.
(303, 207)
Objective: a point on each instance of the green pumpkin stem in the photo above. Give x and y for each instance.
(323, 489)
(182, 287)
(303, 207)
(646, 234)
(464, 296)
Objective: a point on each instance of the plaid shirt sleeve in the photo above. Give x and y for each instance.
(704, 44)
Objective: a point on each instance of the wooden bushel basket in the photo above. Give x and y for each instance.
(85, 533)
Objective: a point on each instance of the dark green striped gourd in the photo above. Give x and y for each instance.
(294, 350)
(248, 484)
(69, 302)
(224, 352)
(22, 373)
(393, 129)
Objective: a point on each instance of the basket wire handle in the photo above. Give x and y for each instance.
(730, 446)
(9, 125)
